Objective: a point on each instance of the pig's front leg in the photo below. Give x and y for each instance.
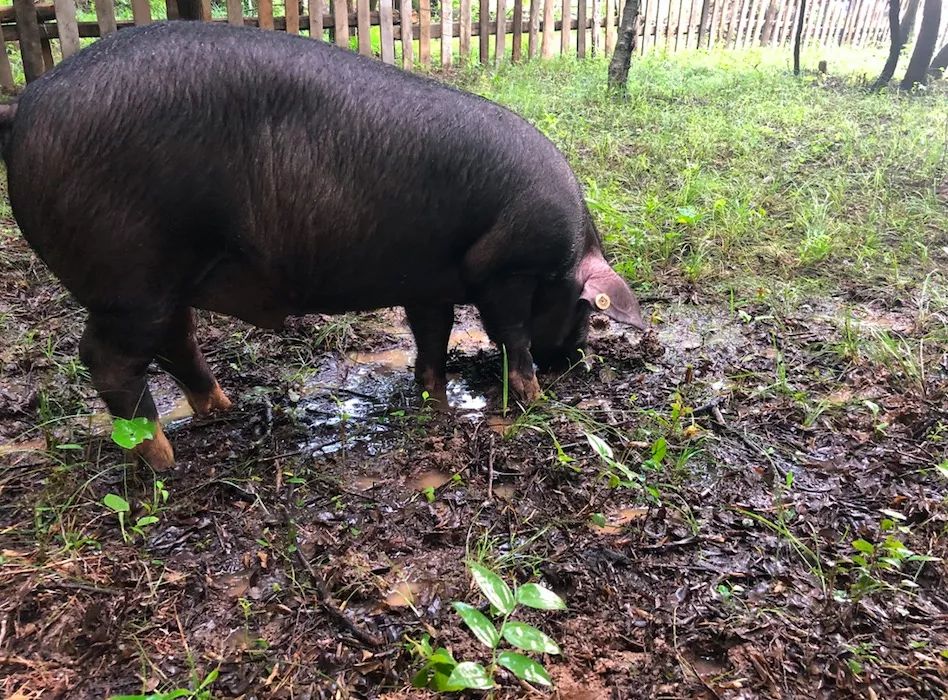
(505, 307)
(431, 326)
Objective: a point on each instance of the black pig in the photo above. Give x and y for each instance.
(191, 165)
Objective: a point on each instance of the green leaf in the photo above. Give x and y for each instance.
(943, 468)
(536, 596)
(493, 588)
(598, 519)
(600, 446)
(659, 450)
(864, 547)
(468, 674)
(146, 521)
(524, 636)
(116, 503)
(524, 667)
(129, 433)
(478, 623)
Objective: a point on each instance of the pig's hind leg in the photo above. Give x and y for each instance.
(117, 349)
(431, 326)
(181, 357)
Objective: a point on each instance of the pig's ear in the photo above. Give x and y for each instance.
(608, 293)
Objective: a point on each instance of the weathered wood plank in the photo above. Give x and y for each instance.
(447, 42)
(484, 35)
(516, 44)
(533, 37)
(500, 41)
(235, 12)
(596, 41)
(387, 31)
(292, 14)
(546, 50)
(424, 33)
(611, 28)
(465, 33)
(566, 10)
(265, 14)
(141, 12)
(105, 14)
(6, 71)
(31, 50)
(68, 28)
(340, 21)
(363, 27)
(581, 28)
(404, 18)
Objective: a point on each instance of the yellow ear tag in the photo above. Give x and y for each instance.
(603, 302)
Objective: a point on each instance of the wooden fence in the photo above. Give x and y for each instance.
(448, 31)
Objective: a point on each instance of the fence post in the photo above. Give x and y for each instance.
(340, 18)
(483, 27)
(581, 28)
(30, 49)
(362, 27)
(68, 29)
(404, 19)
(464, 30)
(500, 48)
(386, 31)
(533, 29)
(516, 46)
(546, 49)
(447, 33)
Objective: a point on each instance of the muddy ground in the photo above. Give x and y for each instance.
(325, 520)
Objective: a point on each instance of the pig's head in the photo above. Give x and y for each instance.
(561, 317)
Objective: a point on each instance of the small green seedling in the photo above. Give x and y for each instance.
(121, 508)
(441, 672)
(131, 433)
(619, 474)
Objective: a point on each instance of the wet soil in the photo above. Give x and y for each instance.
(326, 519)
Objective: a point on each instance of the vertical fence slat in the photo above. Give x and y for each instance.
(702, 22)
(6, 72)
(465, 32)
(387, 31)
(838, 24)
(516, 44)
(596, 39)
(235, 12)
(611, 28)
(548, 29)
(424, 33)
(484, 31)
(823, 24)
(565, 10)
(31, 50)
(404, 20)
(265, 15)
(852, 16)
(292, 16)
(205, 10)
(68, 28)
(500, 42)
(105, 16)
(363, 27)
(871, 10)
(47, 49)
(141, 12)
(713, 24)
(753, 11)
(643, 25)
(671, 25)
(813, 23)
(677, 6)
(581, 33)
(533, 31)
(340, 21)
(692, 23)
(447, 33)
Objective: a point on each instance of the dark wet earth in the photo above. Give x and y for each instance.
(311, 531)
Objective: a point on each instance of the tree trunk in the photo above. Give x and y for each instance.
(622, 57)
(895, 47)
(940, 62)
(917, 71)
(799, 37)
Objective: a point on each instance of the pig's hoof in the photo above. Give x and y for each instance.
(525, 389)
(214, 400)
(156, 453)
